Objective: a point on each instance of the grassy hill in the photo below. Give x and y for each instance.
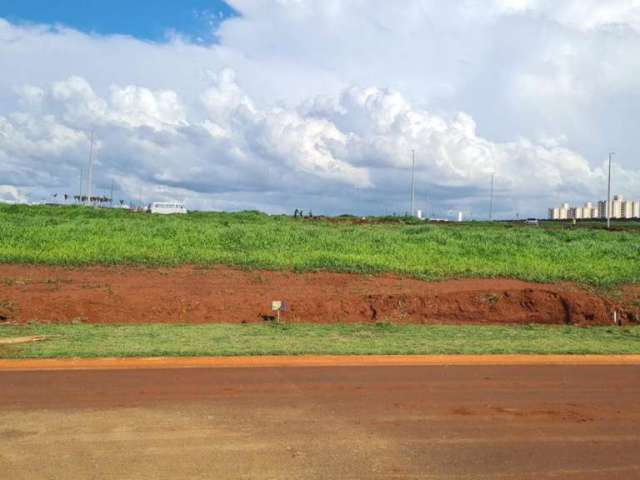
(82, 236)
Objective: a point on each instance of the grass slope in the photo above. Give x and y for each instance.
(297, 339)
(81, 236)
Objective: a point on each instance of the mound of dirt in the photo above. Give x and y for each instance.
(215, 295)
(542, 304)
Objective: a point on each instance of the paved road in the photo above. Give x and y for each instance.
(400, 422)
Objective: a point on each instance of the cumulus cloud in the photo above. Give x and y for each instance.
(10, 194)
(319, 104)
(583, 14)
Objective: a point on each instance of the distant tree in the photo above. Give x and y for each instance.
(66, 197)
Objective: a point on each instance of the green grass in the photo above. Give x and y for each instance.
(87, 341)
(83, 236)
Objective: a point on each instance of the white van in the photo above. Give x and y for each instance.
(167, 208)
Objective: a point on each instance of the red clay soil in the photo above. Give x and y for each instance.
(217, 295)
(308, 361)
(375, 423)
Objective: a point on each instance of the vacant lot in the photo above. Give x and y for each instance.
(196, 292)
(83, 236)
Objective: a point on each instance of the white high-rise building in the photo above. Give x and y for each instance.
(620, 208)
(588, 211)
(630, 209)
(617, 206)
(564, 211)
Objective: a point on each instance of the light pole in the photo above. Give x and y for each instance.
(90, 173)
(611, 154)
(81, 180)
(493, 175)
(413, 182)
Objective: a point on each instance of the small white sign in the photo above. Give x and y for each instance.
(276, 305)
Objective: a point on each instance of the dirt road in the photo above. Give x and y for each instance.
(432, 422)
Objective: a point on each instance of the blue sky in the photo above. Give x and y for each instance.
(317, 104)
(144, 19)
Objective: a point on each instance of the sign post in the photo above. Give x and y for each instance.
(279, 306)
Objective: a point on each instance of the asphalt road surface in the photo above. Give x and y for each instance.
(398, 422)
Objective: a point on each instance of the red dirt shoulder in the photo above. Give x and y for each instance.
(227, 295)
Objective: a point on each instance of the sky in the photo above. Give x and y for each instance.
(154, 20)
(317, 105)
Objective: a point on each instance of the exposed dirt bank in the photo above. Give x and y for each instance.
(197, 295)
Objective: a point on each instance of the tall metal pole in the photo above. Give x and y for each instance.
(491, 198)
(81, 181)
(413, 182)
(611, 154)
(90, 179)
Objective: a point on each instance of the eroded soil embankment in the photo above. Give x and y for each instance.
(198, 295)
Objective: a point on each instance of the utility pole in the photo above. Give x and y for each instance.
(90, 176)
(81, 180)
(413, 182)
(111, 196)
(611, 154)
(491, 198)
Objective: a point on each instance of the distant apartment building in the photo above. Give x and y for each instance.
(620, 208)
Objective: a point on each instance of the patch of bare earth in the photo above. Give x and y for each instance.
(220, 294)
(375, 423)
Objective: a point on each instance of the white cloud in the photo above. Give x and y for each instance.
(10, 194)
(305, 103)
(582, 14)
